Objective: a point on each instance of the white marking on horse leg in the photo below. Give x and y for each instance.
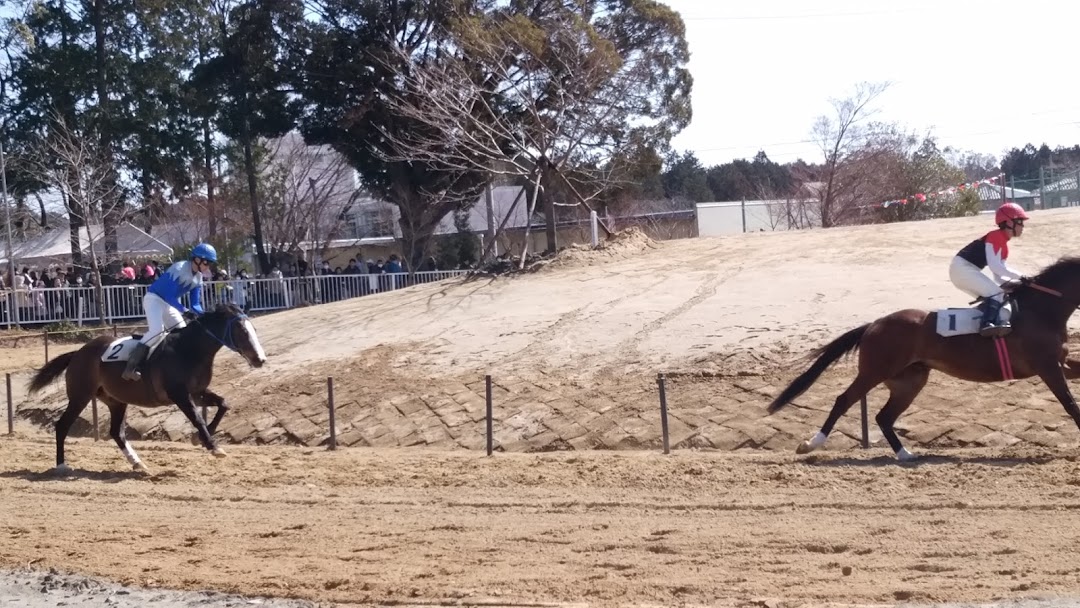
(903, 455)
(250, 329)
(811, 444)
(131, 456)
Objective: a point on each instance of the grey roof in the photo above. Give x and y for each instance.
(503, 199)
(988, 192)
(1064, 184)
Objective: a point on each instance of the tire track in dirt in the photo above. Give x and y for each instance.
(706, 290)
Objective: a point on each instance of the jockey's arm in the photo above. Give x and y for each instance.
(196, 299)
(1001, 271)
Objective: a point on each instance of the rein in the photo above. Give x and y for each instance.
(1038, 287)
(1048, 290)
(1035, 286)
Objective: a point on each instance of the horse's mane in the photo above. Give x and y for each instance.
(1055, 273)
(226, 308)
(217, 314)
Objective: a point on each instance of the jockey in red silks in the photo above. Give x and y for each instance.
(990, 250)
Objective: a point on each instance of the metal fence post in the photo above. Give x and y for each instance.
(487, 392)
(663, 412)
(10, 407)
(330, 404)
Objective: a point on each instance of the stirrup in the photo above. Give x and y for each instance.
(995, 330)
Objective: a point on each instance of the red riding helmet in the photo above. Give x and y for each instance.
(1008, 212)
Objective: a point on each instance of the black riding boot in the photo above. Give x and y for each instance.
(134, 361)
(991, 325)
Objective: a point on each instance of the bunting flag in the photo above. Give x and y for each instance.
(922, 198)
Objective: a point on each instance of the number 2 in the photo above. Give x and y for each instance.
(115, 352)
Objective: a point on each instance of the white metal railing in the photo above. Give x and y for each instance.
(80, 306)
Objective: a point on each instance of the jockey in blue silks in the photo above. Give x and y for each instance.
(164, 312)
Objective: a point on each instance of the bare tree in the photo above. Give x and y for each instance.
(518, 108)
(188, 221)
(784, 209)
(76, 166)
(308, 195)
(843, 139)
(975, 165)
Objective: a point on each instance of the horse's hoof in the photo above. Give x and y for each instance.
(905, 456)
(195, 439)
(804, 448)
(62, 469)
(140, 468)
(220, 453)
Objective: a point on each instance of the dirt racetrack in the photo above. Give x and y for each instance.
(418, 526)
(732, 517)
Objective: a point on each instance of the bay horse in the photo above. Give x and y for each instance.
(901, 348)
(177, 372)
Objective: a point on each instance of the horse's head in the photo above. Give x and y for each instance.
(1060, 282)
(234, 330)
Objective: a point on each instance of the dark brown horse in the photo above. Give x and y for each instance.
(901, 348)
(178, 371)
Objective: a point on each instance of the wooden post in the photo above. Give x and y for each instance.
(330, 404)
(10, 408)
(487, 393)
(663, 411)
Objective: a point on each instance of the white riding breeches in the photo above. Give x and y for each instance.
(973, 281)
(160, 317)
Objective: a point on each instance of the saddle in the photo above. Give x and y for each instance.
(120, 349)
(966, 321)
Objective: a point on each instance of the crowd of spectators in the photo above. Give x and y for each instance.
(59, 293)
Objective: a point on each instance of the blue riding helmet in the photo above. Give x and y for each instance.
(205, 251)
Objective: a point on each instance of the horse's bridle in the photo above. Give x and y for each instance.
(226, 341)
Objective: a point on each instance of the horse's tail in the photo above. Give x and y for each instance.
(50, 372)
(826, 356)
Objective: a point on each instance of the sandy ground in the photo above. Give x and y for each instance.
(594, 528)
(427, 526)
(651, 306)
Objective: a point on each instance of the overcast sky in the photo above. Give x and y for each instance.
(981, 75)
